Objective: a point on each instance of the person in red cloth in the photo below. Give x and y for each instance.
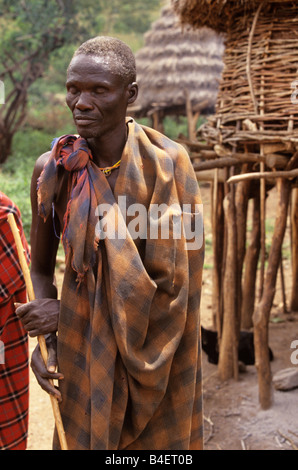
(14, 367)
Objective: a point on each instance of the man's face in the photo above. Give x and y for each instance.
(97, 98)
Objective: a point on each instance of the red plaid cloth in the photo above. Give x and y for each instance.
(14, 372)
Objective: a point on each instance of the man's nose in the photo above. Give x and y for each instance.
(84, 101)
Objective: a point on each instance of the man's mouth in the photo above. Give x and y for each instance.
(83, 120)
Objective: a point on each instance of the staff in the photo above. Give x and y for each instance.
(41, 339)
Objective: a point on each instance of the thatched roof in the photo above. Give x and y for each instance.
(216, 14)
(175, 62)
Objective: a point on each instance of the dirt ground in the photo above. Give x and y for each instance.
(233, 419)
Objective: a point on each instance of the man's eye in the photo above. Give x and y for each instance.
(99, 90)
(73, 90)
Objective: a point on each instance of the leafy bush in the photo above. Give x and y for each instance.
(16, 172)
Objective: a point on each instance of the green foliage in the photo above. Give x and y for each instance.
(25, 26)
(173, 127)
(30, 30)
(15, 174)
(123, 17)
(38, 38)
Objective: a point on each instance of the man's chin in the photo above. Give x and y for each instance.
(86, 133)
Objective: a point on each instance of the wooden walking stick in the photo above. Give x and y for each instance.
(41, 339)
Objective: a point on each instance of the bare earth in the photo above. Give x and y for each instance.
(233, 419)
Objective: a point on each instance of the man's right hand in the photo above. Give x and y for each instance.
(44, 372)
(40, 316)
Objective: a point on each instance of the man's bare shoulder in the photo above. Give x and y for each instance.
(42, 159)
(40, 162)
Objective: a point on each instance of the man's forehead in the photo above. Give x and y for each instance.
(92, 63)
(87, 68)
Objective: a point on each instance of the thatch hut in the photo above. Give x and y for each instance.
(253, 138)
(178, 70)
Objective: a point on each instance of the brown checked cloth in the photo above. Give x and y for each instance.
(129, 330)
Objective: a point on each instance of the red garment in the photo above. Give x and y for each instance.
(14, 371)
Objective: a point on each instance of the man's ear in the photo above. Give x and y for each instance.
(133, 91)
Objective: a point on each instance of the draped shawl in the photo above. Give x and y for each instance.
(129, 328)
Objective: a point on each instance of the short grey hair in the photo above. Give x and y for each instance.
(119, 56)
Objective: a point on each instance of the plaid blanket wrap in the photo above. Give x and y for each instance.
(129, 331)
(14, 369)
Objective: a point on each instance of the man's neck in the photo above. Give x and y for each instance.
(107, 149)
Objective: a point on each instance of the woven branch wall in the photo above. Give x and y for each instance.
(257, 100)
(253, 133)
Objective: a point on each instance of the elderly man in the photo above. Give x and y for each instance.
(128, 349)
(14, 367)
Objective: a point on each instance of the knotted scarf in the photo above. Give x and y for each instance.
(73, 154)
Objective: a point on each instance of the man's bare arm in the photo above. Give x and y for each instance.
(44, 243)
(41, 315)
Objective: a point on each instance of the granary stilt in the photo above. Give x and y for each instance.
(294, 225)
(262, 312)
(218, 250)
(250, 267)
(228, 353)
(241, 201)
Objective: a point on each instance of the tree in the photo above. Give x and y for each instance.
(123, 17)
(30, 31)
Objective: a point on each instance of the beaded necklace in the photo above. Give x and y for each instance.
(108, 170)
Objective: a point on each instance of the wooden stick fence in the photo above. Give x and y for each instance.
(248, 147)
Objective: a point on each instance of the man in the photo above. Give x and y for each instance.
(128, 319)
(14, 367)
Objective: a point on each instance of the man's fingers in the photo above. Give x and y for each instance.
(56, 394)
(52, 364)
(39, 317)
(45, 381)
(20, 309)
(33, 333)
(18, 304)
(48, 387)
(43, 372)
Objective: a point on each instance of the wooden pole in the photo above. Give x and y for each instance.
(294, 250)
(251, 267)
(228, 353)
(283, 285)
(262, 312)
(263, 226)
(242, 195)
(290, 174)
(192, 117)
(41, 339)
(217, 245)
